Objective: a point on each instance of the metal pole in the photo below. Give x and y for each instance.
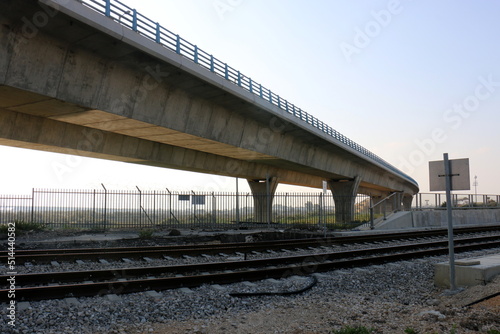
(447, 172)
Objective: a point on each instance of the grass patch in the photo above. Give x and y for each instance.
(23, 226)
(145, 234)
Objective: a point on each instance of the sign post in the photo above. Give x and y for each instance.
(441, 174)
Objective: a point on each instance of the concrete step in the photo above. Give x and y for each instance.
(468, 272)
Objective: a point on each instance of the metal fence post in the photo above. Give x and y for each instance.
(108, 8)
(154, 205)
(178, 45)
(158, 33)
(268, 199)
(140, 206)
(237, 203)
(93, 210)
(285, 214)
(32, 205)
(105, 205)
(372, 218)
(134, 20)
(194, 209)
(214, 207)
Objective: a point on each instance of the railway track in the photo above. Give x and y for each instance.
(44, 256)
(57, 285)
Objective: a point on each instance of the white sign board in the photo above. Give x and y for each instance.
(459, 170)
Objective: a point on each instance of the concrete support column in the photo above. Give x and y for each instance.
(344, 194)
(407, 199)
(263, 195)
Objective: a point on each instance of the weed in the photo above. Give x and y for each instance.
(353, 330)
(146, 234)
(410, 330)
(22, 226)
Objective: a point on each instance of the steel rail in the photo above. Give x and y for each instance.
(42, 278)
(306, 265)
(312, 241)
(118, 253)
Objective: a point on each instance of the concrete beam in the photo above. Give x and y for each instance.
(35, 132)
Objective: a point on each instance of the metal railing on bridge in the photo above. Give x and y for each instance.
(109, 209)
(130, 18)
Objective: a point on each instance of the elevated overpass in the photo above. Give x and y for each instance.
(96, 78)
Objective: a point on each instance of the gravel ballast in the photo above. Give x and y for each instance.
(389, 298)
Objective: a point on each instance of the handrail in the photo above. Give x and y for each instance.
(396, 206)
(146, 27)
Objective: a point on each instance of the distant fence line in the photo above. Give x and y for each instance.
(105, 209)
(425, 201)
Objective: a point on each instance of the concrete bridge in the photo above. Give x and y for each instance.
(97, 79)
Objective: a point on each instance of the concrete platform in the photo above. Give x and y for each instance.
(468, 272)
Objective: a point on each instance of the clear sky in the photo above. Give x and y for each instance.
(408, 80)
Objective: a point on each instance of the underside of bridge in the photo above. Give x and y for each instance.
(69, 87)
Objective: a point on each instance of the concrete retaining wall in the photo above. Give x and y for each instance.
(438, 218)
